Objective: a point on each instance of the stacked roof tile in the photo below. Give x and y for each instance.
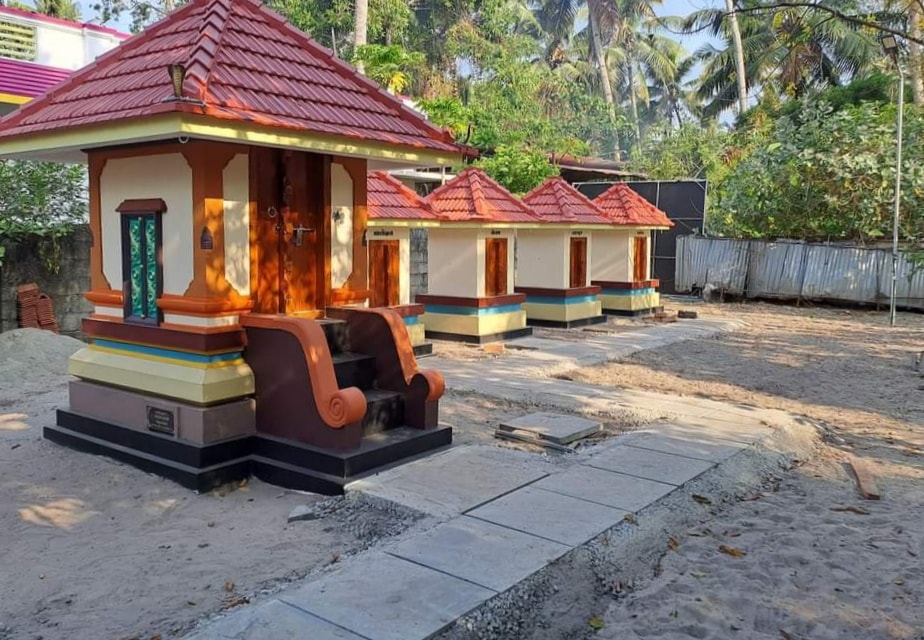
(244, 64)
(557, 201)
(390, 199)
(472, 196)
(622, 205)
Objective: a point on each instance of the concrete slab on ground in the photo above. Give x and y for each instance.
(272, 621)
(382, 597)
(555, 427)
(701, 448)
(625, 492)
(653, 465)
(452, 482)
(487, 554)
(550, 515)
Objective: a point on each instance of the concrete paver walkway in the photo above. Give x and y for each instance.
(505, 514)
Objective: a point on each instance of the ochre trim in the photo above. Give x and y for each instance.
(105, 297)
(337, 407)
(98, 281)
(479, 303)
(147, 205)
(574, 292)
(346, 296)
(226, 339)
(12, 98)
(641, 284)
(194, 306)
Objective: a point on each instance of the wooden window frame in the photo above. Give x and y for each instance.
(150, 209)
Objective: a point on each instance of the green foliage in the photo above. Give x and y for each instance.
(826, 174)
(41, 198)
(390, 65)
(518, 169)
(690, 151)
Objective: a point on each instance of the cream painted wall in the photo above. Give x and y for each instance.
(165, 176)
(341, 231)
(404, 265)
(611, 256)
(511, 237)
(455, 263)
(542, 258)
(236, 185)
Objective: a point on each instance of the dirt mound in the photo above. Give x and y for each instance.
(27, 355)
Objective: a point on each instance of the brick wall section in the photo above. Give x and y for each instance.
(418, 262)
(23, 264)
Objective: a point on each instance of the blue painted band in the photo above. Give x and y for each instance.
(627, 292)
(411, 319)
(168, 353)
(473, 311)
(551, 300)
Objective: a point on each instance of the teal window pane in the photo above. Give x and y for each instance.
(136, 278)
(150, 265)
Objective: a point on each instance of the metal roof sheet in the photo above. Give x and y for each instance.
(28, 79)
(243, 63)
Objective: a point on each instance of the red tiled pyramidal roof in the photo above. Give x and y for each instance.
(624, 206)
(390, 199)
(244, 63)
(557, 201)
(472, 196)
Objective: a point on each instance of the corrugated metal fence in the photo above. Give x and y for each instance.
(796, 270)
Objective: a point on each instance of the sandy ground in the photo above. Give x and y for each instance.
(808, 568)
(91, 548)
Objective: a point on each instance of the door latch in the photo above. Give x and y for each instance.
(298, 234)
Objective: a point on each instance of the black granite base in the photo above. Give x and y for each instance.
(633, 314)
(275, 460)
(493, 337)
(566, 324)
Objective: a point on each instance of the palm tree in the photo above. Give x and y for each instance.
(64, 9)
(796, 51)
(360, 28)
(739, 56)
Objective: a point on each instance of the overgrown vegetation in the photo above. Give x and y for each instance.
(791, 123)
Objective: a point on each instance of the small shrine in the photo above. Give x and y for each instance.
(394, 209)
(622, 267)
(471, 295)
(228, 156)
(554, 262)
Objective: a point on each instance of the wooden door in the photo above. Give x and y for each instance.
(640, 259)
(495, 272)
(266, 245)
(578, 276)
(384, 272)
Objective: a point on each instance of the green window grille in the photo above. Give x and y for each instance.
(17, 41)
(141, 268)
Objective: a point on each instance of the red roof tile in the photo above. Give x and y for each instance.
(472, 196)
(27, 79)
(391, 199)
(624, 206)
(557, 201)
(244, 63)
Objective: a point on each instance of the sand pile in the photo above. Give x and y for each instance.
(28, 355)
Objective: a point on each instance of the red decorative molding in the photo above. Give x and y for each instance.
(169, 303)
(480, 303)
(408, 310)
(148, 205)
(641, 284)
(575, 292)
(227, 339)
(381, 333)
(105, 297)
(283, 375)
